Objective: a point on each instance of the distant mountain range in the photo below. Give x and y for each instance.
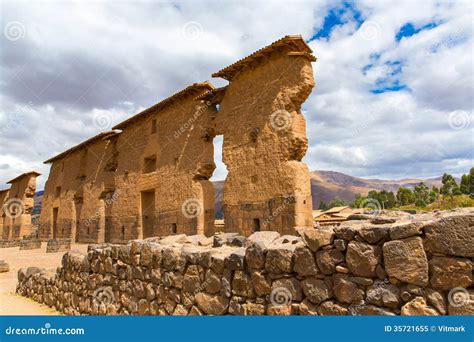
(325, 186)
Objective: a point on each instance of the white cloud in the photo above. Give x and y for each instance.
(81, 61)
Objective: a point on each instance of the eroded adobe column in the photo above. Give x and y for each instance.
(267, 186)
(3, 227)
(19, 205)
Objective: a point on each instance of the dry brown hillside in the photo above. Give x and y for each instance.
(327, 185)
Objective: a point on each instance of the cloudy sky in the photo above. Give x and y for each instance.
(394, 80)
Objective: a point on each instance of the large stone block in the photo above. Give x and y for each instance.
(305, 264)
(289, 285)
(406, 261)
(317, 238)
(418, 307)
(316, 290)
(212, 304)
(383, 294)
(453, 235)
(447, 273)
(345, 290)
(328, 259)
(279, 259)
(362, 258)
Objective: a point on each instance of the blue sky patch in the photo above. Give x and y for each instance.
(384, 87)
(339, 15)
(409, 30)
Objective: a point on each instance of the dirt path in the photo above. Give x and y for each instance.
(12, 304)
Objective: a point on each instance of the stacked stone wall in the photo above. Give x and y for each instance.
(30, 242)
(58, 245)
(5, 243)
(416, 267)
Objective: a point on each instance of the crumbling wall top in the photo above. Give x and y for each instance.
(192, 89)
(100, 136)
(26, 174)
(295, 43)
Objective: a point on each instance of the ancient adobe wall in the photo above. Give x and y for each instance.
(185, 162)
(411, 268)
(94, 193)
(152, 177)
(267, 186)
(3, 199)
(19, 202)
(75, 194)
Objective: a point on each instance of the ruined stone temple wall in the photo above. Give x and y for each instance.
(267, 186)
(151, 178)
(74, 194)
(183, 164)
(418, 267)
(94, 193)
(17, 205)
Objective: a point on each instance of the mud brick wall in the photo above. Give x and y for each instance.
(16, 206)
(264, 143)
(418, 267)
(150, 176)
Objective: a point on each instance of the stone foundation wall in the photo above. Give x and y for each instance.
(417, 267)
(26, 244)
(5, 243)
(58, 245)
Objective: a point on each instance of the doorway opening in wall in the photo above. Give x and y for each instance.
(174, 228)
(148, 212)
(256, 225)
(55, 222)
(218, 177)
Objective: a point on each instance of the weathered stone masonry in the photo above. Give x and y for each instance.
(150, 175)
(422, 267)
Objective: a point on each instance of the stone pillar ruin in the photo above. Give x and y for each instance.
(268, 185)
(3, 228)
(17, 206)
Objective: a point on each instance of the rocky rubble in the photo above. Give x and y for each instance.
(4, 267)
(421, 267)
